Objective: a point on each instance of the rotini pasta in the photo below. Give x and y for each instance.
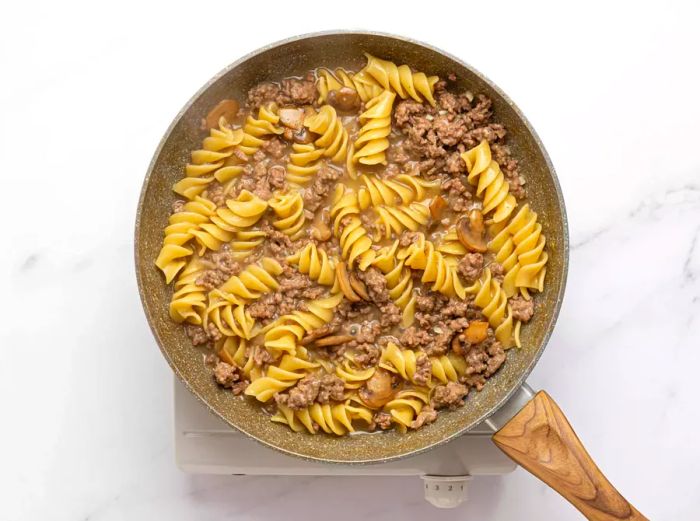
(246, 242)
(400, 190)
(356, 245)
(490, 182)
(303, 164)
(519, 247)
(405, 408)
(372, 142)
(252, 282)
(401, 79)
(333, 136)
(364, 84)
(289, 209)
(290, 370)
(207, 162)
(315, 263)
(396, 219)
(492, 300)
(399, 281)
(344, 204)
(283, 334)
(254, 129)
(332, 419)
(189, 299)
(437, 268)
(237, 351)
(181, 228)
(240, 213)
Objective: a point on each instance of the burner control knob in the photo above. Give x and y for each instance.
(446, 491)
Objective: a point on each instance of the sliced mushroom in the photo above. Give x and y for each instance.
(334, 340)
(378, 390)
(359, 287)
(476, 332)
(471, 232)
(344, 283)
(292, 117)
(317, 333)
(302, 136)
(345, 99)
(437, 206)
(228, 108)
(319, 227)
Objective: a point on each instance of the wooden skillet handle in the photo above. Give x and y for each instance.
(540, 439)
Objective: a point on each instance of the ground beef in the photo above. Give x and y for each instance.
(423, 369)
(226, 374)
(408, 238)
(223, 266)
(522, 309)
(376, 284)
(381, 420)
(262, 356)
(196, 334)
(318, 190)
(367, 355)
(368, 332)
(426, 416)
(215, 193)
(470, 266)
(491, 133)
(425, 303)
(177, 206)
(274, 147)
(298, 91)
(332, 388)
(509, 166)
(264, 308)
(390, 315)
(483, 360)
(277, 177)
(303, 394)
(497, 271)
(454, 164)
(413, 337)
(450, 395)
(397, 154)
(459, 197)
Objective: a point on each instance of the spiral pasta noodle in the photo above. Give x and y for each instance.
(352, 376)
(519, 247)
(289, 209)
(255, 129)
(438, 269)
(450, 245)
(355, 244)
(254, 281)
(314, 262)
(490, 182)
(332, 419)
(283, 335)
(405, 408)
(245, 242)
(236, 351)
(396, 219)
(189, 299)
(240, 213)
(401, 80)
(208, 162)
(364, 84)
(402, 362)
(333, 136)
(399, 281)
(492, 300)
(372, 141)
(277, 378)
(173, 254)
(400, 190)
(345, 203)
(303, 164)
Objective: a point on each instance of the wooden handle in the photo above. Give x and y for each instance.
(540, 439)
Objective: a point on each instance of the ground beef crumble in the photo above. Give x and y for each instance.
(470, 266)
(296, 91)
(222, 266)
(522, 309)
(230, 377)
(450, 395)
(313, 388)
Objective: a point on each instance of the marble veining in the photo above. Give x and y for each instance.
(86, 396)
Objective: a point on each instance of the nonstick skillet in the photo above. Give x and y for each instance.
(529, 427)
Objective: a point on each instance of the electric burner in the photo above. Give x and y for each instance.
(204, 444)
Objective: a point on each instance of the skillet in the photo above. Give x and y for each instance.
(530, 429)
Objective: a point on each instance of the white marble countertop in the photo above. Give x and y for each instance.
(86, 398)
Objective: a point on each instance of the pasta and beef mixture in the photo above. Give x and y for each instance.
(353, 249)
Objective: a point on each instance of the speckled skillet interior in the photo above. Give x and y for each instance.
(295, 57)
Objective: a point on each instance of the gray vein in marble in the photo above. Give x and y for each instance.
(29, 262)
(689, 273)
